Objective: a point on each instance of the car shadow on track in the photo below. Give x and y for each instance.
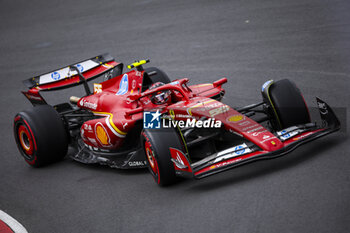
(265, 167)
(105, 168)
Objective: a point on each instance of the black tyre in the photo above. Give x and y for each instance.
(157, 75)
(153, 75)
(156, 144)
(287, 104)
(40, 135)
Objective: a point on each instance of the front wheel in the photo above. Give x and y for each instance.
(156, 144)
(286, 104)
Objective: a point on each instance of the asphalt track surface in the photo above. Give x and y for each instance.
(247, 41)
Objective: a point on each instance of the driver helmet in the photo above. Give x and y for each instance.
(159, 97)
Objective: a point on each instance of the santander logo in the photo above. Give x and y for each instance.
(87, 104)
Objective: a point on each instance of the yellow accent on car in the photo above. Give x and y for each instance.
(136, 64)
(107, 65)
(273, 107)
(203, 85)
(189, 110)
(183, 140)
(111, 121)
(172, 113)
(235, 118)
(102, 135)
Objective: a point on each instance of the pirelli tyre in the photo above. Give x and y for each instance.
(157, 75)
(40, 135)
(286, 104)
(156, 144)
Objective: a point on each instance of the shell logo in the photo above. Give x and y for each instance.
(102, 134)
(235, 118)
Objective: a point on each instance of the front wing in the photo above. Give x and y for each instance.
(292, 137)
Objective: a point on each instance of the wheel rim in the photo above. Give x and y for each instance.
(151, 159)
(25, 140)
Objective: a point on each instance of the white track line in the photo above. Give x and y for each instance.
(12, 223)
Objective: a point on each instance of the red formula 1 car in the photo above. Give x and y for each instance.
(140, 118)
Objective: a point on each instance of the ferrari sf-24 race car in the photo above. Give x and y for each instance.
(143, 119)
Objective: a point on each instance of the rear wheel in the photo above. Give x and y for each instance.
(153, 75)
(157, 75)
(40, 135)
(286, 104)
(156, 144)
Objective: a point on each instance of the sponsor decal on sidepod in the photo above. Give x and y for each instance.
(88, 104)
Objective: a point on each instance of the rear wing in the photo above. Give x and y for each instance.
(67, 77)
